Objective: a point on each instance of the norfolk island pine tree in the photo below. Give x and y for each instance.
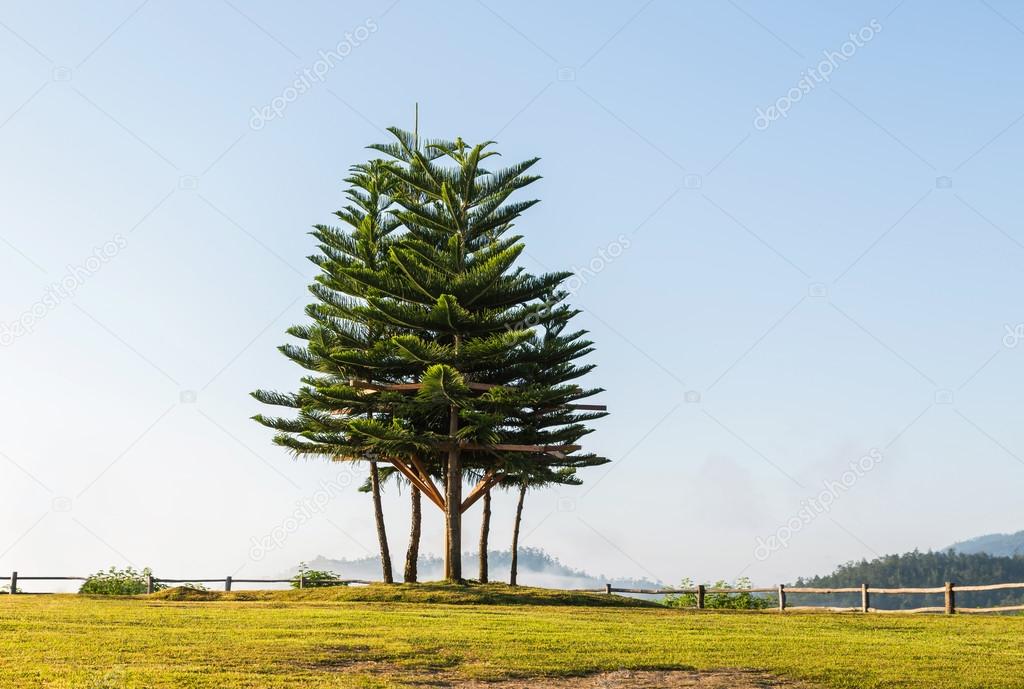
(455, 309)
(554, 362)
(365, 243)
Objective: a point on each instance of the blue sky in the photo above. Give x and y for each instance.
(769, 303)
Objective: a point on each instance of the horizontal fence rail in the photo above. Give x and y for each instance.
(949, 591)
(151, 581)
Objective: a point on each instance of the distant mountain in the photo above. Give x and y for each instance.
(536, 568)
(998, 544)
(917, 569)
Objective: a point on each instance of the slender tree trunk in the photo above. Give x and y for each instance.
(413, 553)
(444, 468)
(382, 534)
(515, 535)
(485, 527)
(453, 506)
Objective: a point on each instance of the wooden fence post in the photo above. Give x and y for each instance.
(149, 583)
(950, 598)
(14, 583)
(782, 597)
(700, 596)
(227, 583)
(608, 589)
(302, 581)
(865, 598)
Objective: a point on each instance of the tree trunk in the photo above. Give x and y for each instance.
(515, 535)
(485, 527)
(444, 469)
(453, 504)
(413, 553)
(382, 534)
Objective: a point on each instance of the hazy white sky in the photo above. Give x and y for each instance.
(798, 250)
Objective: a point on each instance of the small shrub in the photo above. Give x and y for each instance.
(720, 601)
(313, 578)
(187, 591)
(119, 582)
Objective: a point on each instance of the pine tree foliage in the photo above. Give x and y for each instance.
(421, 287)
(420, 284)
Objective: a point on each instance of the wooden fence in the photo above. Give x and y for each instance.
(151, 581)
(949, 592)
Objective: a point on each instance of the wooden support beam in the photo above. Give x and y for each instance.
(478, 489)
(415, 479)
(557, 450)
(409, 387)
(427, 488)
(425, 475)
(418, 481)
(578, 407)
(544, 449)
(488, 481)
(472, 385)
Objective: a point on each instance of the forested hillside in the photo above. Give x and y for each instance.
(917, 569)
(1004, 544)
(536, 568)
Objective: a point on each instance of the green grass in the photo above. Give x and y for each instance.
(392, 636)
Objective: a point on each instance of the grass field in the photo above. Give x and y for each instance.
(382, 636)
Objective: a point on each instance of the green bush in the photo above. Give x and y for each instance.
(313, 578)
(720, 601)
(119, 582)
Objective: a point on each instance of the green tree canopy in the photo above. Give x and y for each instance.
(429, 348)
